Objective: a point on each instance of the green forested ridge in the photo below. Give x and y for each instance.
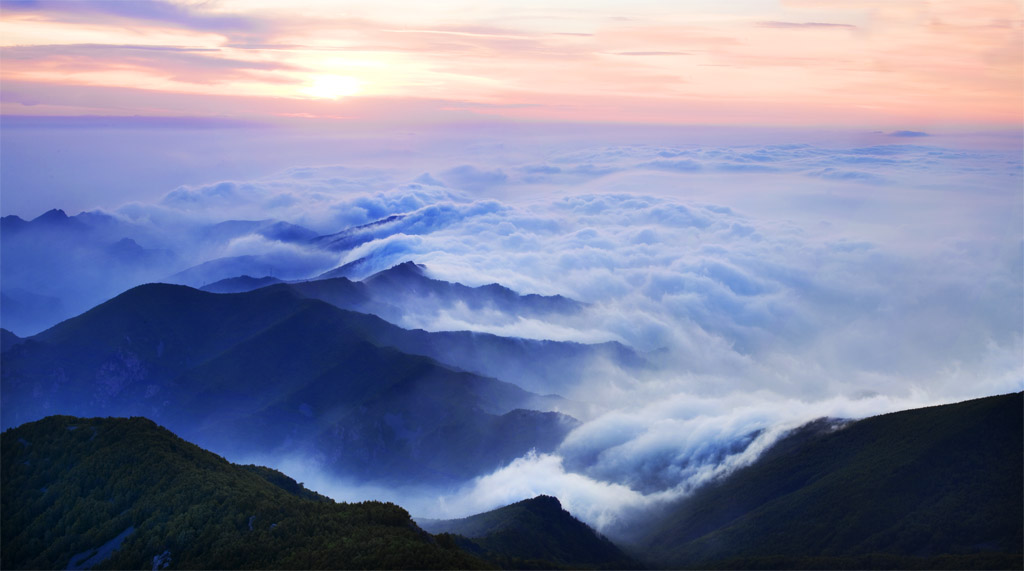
(69, 485)
(939, 487)
(533, 534)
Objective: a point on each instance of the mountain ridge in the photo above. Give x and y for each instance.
(269, 370)
(71, 484)
(936, 486)
(529, 533)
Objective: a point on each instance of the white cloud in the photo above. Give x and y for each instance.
(773, 284)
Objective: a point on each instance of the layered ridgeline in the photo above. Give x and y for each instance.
(405, 295)
(273, 371)
(939, 487)
(127, 494)
(533, 534)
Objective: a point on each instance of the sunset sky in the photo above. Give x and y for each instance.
(924, 65)
(807, 207)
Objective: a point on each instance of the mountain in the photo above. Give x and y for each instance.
(221, 269)
(542, 366)
(241, 284)
(228, 230)
(8, 340)
(127, 494)
(351, 270)
(357, 235)
(271, 372)
(407, 281)
(939, 487)
(56, 265)
(533, 534)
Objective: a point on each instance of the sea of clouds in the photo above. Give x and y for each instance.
(771, 284)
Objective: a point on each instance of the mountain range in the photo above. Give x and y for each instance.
(340, 373)
(269, 370)
(56, 266)
(933, 488)
(537, 365)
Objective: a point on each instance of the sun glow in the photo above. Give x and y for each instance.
(332, 87)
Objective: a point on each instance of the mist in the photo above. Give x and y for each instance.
(769, 278)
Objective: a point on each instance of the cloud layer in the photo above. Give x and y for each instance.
(770, 284)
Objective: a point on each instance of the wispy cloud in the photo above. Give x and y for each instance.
(180, 63)
(899, 74)
(806, 25)
(154, 11)
(84, 122)
(652, 53)
(908, 134)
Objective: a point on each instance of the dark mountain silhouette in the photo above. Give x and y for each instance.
(533, 534)
(127, 494)
(269, 371)
(8, 340)
(933, 488)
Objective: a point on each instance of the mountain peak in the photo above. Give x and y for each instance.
(408, 269)
(543, 501)
(54, 215)
(534, 529)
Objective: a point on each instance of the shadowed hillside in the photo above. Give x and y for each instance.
(939, 487)
(128, 494)
(533, 534)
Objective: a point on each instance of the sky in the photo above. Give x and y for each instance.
(803, 208)
(917, 64)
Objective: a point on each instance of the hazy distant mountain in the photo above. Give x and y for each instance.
(939, 487)
(56, 266)
(241, 284)
(357, 235)
(353, 270)
(270, 229)
(542, 366)
(221, 269)
(127, 494)
(533, 534)
(407, 281)
(270, 371)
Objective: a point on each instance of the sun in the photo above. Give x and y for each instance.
(332, 87)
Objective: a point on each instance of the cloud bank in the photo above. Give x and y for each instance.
(770, 284)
